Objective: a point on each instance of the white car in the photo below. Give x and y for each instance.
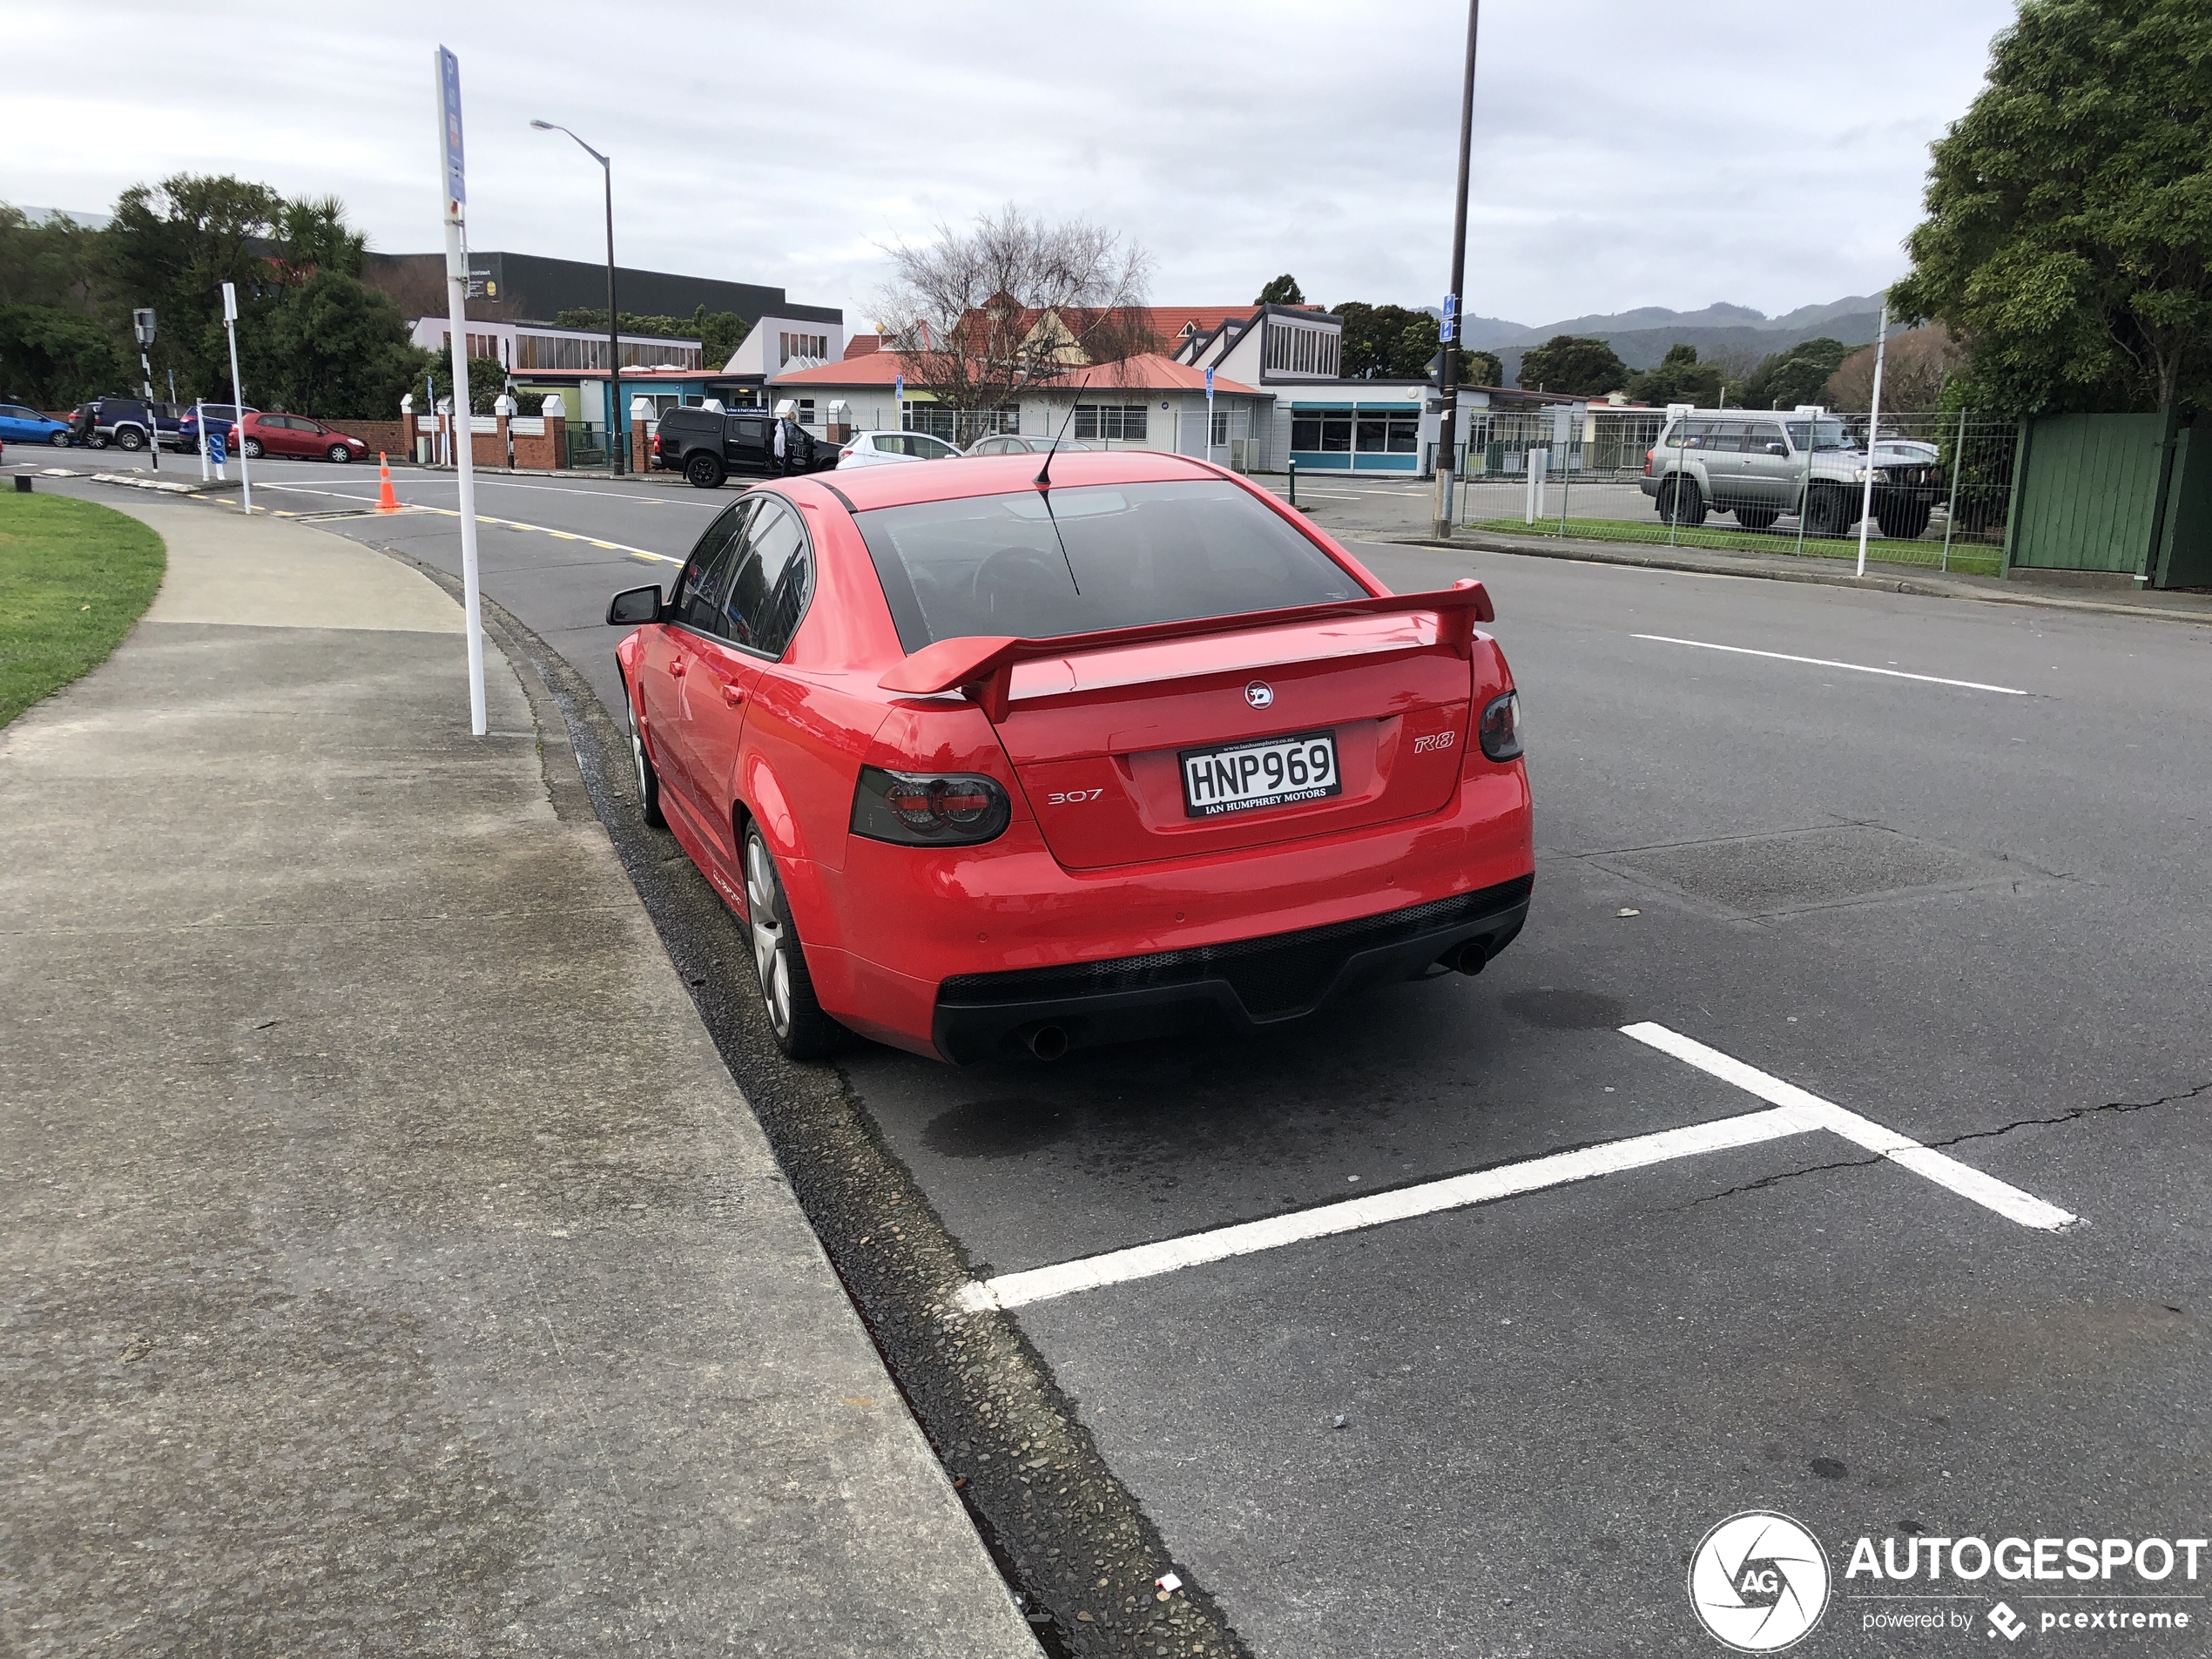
(872, 448)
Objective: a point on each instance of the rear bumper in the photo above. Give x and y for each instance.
(1245, 985)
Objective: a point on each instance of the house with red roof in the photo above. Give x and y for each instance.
(1147, 402)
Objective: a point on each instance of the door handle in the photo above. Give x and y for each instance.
(676, 667)
(732, 693)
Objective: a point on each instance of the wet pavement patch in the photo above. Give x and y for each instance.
(1002, 1128)
(1556, 1009)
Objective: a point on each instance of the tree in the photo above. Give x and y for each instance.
(1284, 291)
(1680, 378)
(978, 316)
(1578, 367)
(2068, 236)
(1481, 368)
(720, 333)
(1796, 374)
(342, 351)
(46, 264)
(55, 358)
(1914, 370)
(1389, 342)
(172, 246)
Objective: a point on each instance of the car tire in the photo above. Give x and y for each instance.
(1904, 520)
(1681, 503)
(253, 450)
(1832, 512)
(130, 440)
(60, 439)
(801, 1029)
(338, 455)
(1755, 518)
(703, 471)
(648, 774)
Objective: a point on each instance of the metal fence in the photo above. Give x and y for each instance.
(1747, 481)
(587, 443)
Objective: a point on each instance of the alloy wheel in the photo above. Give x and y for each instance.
(769, 937)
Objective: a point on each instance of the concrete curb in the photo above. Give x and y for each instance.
(1724, 564)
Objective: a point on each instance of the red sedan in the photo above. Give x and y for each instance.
(295, 434)
(986, 760)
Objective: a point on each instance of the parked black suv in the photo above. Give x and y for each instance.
(126, 422)
(706, 447)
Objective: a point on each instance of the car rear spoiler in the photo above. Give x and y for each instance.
(981, 667)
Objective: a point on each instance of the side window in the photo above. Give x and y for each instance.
(706, 575)
(1763, 433)
(1727, 436)
(775, 579)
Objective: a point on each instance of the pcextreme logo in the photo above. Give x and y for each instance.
(1758, 1582)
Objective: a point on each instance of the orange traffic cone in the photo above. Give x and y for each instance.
(385, 501)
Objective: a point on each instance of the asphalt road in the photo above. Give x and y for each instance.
(1962, 897)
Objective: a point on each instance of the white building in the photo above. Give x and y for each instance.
(1146, 402)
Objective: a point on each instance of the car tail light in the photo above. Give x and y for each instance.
(657, 445)
(929, 809)
(1647, 454)
(1500, 732)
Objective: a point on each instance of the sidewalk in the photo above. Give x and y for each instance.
(1839, 573)
(391, 1263)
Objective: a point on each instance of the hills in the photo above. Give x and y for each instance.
(1641, 336)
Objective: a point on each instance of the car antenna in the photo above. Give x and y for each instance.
(1043, 480)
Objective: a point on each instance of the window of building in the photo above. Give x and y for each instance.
(813, 347)
(1219, 433)
(1111, 421)
(1297, 350)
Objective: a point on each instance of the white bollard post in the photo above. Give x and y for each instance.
(1539, 462)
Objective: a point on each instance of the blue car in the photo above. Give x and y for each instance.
(21, 425)
(220, 418)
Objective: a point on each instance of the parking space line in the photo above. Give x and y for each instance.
(1374, 1208)
(487, 518)
(1792, 1110)
(1822, 662)
(1968, 1183)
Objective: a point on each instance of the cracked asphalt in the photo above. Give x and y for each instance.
(1976, 919)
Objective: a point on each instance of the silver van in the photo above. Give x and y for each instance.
(1759, 465)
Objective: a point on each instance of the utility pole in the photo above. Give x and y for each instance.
(615, 416)
(1448, 435)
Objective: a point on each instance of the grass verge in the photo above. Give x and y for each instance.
(1967, 559)
(74, 576)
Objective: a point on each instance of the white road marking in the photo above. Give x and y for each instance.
(1351, 1215)
(1792, 1110)
(1822, 662)
(1984, 1190)
(486, 518)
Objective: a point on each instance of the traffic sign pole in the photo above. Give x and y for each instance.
(456, 192)
(237, 392)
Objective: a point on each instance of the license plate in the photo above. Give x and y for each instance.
(1267, 772)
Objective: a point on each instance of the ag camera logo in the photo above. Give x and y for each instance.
(1758, 1583)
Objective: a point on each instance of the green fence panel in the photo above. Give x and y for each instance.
(2185, 546)
(2089, 493)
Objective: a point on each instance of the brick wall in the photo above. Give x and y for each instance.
(382, 437)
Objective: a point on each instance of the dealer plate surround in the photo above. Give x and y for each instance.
(1259, 772)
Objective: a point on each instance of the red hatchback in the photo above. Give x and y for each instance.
(987, 763)
(295, 434)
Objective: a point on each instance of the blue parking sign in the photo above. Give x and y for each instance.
(218, 451)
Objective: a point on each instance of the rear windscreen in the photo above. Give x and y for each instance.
(1037, 564)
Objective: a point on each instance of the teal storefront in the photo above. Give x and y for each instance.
(1356, 437)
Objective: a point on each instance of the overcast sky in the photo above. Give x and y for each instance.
(1626, 154)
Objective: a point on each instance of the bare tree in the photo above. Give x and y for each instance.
(980, 316)
(1913, 371)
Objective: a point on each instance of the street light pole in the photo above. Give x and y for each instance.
(614, 333)
(1447, 436)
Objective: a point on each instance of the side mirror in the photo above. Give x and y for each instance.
(633, 606)
(1778, 449)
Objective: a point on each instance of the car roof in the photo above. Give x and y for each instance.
(864, 489)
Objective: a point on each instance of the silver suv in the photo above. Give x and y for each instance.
(1758, 466)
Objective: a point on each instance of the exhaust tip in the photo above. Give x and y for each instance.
(1047, 1042)
(1470, 957)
